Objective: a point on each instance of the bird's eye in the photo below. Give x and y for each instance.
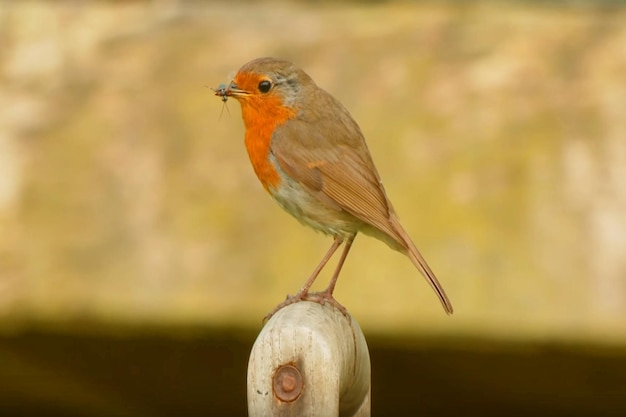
(264, 86)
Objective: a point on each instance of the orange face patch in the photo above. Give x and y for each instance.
(262, 113)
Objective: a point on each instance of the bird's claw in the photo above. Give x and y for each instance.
(321, 298)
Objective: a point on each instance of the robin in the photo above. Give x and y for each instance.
(310, 155)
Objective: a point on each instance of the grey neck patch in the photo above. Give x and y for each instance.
(289, 88)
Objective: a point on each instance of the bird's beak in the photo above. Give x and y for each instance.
(231, 90)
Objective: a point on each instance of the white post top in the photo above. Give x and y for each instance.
(309, 360)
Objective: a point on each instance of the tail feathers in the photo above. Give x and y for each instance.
(422, 266)
(420, 263)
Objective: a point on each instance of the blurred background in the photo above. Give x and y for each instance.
(139, 253)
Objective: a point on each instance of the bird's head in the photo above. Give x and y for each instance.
(264, 86)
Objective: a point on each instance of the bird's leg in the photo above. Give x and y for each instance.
(327, 295)
(304, 291)
(331, 251)
(344, 254)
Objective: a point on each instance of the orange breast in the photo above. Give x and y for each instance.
(261, 116)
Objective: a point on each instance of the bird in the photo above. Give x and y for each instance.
(310, 155)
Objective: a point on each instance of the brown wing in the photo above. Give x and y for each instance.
(331, 159)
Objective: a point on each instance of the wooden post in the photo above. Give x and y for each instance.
(309, 360)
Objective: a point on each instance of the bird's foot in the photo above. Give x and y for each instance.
(291, 299)
(324, 297)
(321, 297)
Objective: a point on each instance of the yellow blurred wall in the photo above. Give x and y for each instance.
(499, 131)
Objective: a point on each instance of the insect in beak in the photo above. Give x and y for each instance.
(222, 91)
